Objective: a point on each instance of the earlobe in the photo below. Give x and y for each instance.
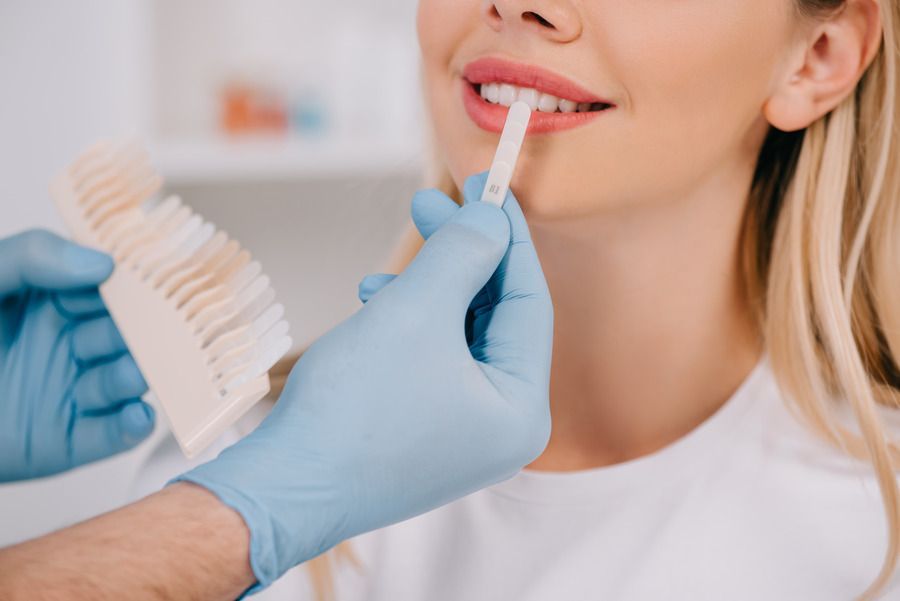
(790, 109)
(840, 49)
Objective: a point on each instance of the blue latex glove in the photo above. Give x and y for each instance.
(420, 398)
(69, 392)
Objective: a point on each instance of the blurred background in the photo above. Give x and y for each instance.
(297, 126)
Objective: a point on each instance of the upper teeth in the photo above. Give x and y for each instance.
(505, 94)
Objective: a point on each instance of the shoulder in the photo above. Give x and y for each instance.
(794, 458)
(813, 491)
(792, 447)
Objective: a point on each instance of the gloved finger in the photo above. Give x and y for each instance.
(96, 339)
(521, 321)
(80, 304)
(104, 386)
(41, 259)
(100, 436)
(430, 210)
(372, 284)
(456, 260)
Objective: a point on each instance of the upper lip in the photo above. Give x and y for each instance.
(498, 70)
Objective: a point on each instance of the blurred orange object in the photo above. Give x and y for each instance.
(247, 109)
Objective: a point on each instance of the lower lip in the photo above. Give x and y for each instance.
(492, 117)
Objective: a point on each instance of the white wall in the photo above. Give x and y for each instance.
(75, 71)
(69, 72)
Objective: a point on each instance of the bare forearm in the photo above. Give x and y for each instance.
(180, 543)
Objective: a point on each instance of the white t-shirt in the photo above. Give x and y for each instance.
(749, 506)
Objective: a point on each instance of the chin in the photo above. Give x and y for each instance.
(543, 182)
(546, 196)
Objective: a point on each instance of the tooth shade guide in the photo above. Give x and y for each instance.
(194, 309)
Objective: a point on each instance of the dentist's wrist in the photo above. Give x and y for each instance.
(222, 523)
(179, 543)
(293, 509)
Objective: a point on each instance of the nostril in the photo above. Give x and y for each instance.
(494, 14)
(532, 16)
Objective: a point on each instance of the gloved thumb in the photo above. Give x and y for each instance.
(41, 259)
(457, 260)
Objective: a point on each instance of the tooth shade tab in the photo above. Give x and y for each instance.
(505, 94)
(507, 154)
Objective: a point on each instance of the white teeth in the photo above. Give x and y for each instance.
(508, 94)
(568, 106)
(530, 97)
(505, 94)
(548, 103)
(493, 93)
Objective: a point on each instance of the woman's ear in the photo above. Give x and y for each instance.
(829, 62)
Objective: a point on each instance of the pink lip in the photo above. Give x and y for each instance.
(491, 117)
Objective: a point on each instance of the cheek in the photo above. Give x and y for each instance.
(444, 28)
(697, 86)
(432, 38)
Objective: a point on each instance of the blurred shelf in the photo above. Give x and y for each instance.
(223, 159)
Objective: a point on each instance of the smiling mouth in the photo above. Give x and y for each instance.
(487, 106)
(504, 94)
(491, 84)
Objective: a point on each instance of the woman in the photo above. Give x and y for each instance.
(717, 223)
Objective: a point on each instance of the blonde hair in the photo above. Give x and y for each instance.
(820, 252)
(821, 256)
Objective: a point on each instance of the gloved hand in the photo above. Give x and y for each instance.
(69, 392)
(434, 389)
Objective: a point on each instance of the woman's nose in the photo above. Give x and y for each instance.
(556, 20)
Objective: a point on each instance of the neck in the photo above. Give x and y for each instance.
(652, 330)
